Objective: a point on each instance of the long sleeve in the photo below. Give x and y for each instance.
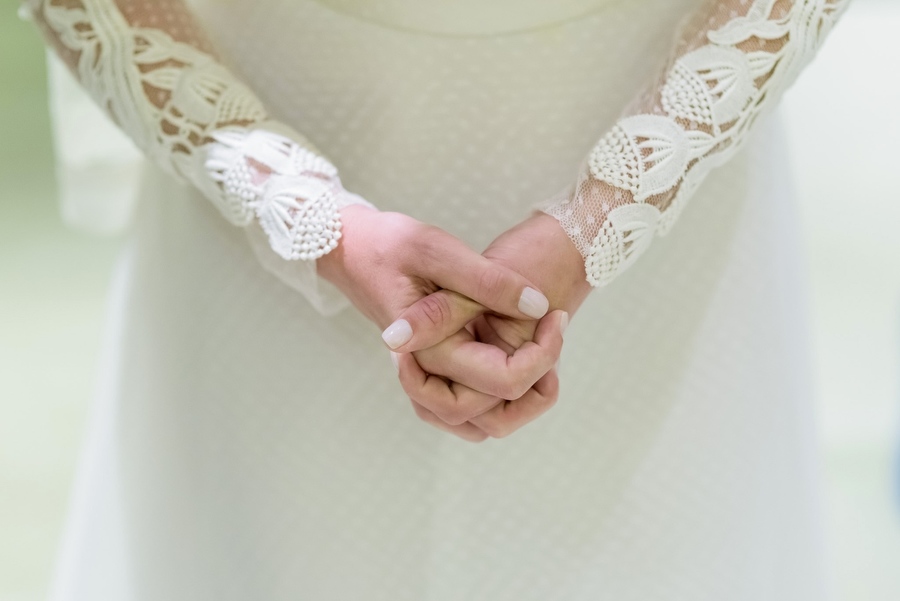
(731, 63)
(150, 67)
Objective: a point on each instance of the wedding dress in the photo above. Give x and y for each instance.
(251, 440)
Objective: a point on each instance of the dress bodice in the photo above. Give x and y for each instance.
(467, 17)
(493, 123)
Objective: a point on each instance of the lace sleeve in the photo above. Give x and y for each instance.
(154, 72)
(732, 62)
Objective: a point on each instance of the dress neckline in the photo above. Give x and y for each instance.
(467, 18)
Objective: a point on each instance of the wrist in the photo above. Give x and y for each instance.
(333, 266)
(541, 250)
(566, 278)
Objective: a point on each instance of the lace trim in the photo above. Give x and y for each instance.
(297, 229)
(192, 117)
(640, 175)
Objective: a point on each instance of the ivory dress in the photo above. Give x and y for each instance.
(252, 442)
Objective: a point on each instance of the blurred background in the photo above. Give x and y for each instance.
(843, 119)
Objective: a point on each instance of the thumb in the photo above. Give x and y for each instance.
(430, 320)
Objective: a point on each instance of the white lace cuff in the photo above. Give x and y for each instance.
(291, 191)
(732, 64)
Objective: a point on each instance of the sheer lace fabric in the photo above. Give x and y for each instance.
(150, 66)
(732, 62)
(152, 69)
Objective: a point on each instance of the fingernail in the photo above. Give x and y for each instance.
(395, 359)
(397, 334)
(563, 323)
(533, 304)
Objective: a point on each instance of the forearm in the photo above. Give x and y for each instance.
(730, 64)
(152, 69)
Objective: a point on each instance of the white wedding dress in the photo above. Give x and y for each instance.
(247, 446)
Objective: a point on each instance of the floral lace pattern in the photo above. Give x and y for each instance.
(191, 116)
(640, 175)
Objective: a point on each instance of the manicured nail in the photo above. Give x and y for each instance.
(395, 359)
(533, 304)
(563, 323)
(397, 334)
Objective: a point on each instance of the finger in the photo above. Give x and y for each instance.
(451, 402)
(430, 320)
(466, 431)
(510, 416)
(485, 332)
(451, 264)
(513, 332)
(489, 369)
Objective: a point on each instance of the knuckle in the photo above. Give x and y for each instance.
(546, 402)
(427, 242)
(552, 394)
(421, 412)
(553, 353)
(478, 437)
(506, 391)
(468, 405)
(492, 284)
(410, 242)
(456, 417)
(551, 400)
(556, 355)
(513, 387)
(495, 429)
(521, 389)
(408, 387)
(453, 416)
(541, 362)
(399, 231)
(435, 309)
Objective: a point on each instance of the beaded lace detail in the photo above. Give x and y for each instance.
(150, 67)
(152, 70)
(733, 62)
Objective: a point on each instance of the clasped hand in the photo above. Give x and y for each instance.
(475, 337)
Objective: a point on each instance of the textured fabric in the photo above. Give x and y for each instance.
(731, 64)
(151, 68)
(257, 450)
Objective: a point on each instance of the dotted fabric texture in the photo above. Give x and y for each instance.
(248, 448)
(150, 68)
(732, 62)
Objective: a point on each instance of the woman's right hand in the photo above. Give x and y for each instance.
(386, 262)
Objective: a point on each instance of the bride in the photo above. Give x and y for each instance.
(252, 440)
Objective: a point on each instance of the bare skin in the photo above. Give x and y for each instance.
(473, 364)
(388, 263)
(539, 249)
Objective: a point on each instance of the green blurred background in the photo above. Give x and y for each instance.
(52, 286)
(843, 120)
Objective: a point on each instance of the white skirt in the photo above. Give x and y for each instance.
(246, 447)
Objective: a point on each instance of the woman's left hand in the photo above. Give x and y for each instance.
(540, 250)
